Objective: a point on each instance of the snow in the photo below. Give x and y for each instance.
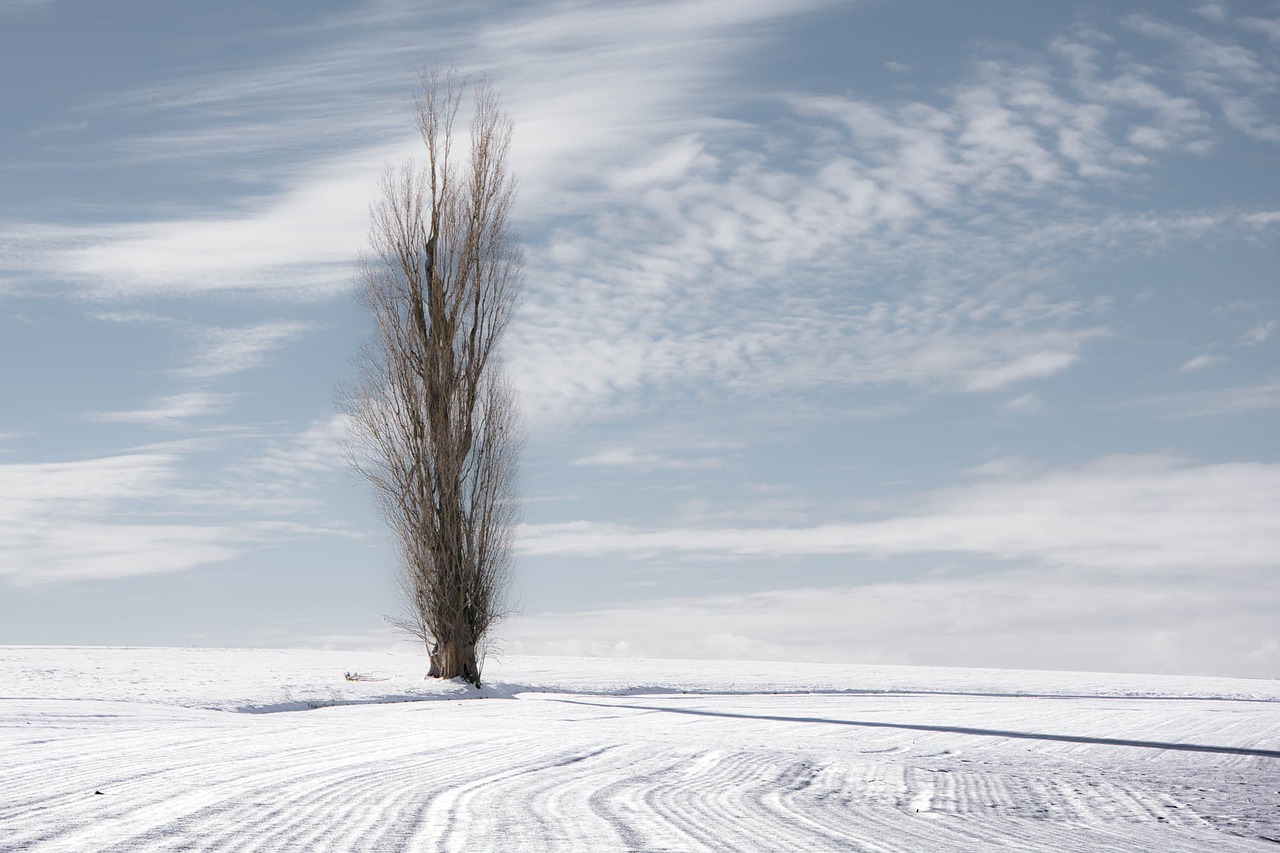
(271, 750)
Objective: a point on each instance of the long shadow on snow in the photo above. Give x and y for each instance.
(961, 730)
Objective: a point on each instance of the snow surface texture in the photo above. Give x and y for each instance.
(611, 754)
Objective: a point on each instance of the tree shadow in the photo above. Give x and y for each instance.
(961, 730)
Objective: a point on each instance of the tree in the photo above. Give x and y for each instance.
(435, 423)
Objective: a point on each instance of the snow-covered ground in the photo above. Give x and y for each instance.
(274, 750)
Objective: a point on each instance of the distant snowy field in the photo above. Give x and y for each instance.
(274, 750)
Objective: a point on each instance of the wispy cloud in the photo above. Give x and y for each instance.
(75, 520)
(1233, 400)
(634, 459)
(1045, 619)
(931, 211)
(1238, 80)
(1145, 513)
(298, 244)
(1259, 333)
(1028, 402)
(289, 474)
(20, 7)
(170, 411)
(1270, 27)
(592, 86)
(227, 351)
(1214, 11)
(1200, 362)
(155, 510)
(929, 241)
(131, 317)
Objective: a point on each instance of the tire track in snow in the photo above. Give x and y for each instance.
(517, 774)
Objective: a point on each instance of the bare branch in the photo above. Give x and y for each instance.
(435, 424)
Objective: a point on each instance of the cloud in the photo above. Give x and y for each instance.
(1235, 78)
(1028, 402)
(131, 317)
(288, 475)
(675, 245)
(169, 411)
(75, 551)
(227, 351)
(1033, 366)
(298, 244)
(318, 447)
(593, 87)
(23, 7)
(638, 460)
(1236, 400)
(1040, 620)
(155, 510)
(1258, 334)
(1270, 27)
(1216, 12)
(1137, 513)
(1200, 362)
(865, 243)
(73, 520)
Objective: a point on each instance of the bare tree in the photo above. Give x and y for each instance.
(435, 423)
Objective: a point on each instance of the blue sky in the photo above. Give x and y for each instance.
(913, 332)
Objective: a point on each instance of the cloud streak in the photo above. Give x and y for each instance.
(228, 351)
(927, 242)
(1144, 514)
(153, 511)
(171, 411)
(1043, 620)
(64, 521)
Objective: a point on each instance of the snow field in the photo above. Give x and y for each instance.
(579, 754)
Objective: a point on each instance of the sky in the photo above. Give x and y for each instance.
(873, 332)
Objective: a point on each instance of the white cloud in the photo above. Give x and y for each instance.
(29, 486)
(1008, 467)
(154, 510)
(740, 275)
(847, 243)
(227, 351)
(77, 551)
(1212, 11)
(639, 460)
(11, 435)
(74, 520)
(19, 7)
(1033, 366)
(299, 244)
(1235, 78)
(1142, 513)
(1270, 27)
(1200, 362)
(1040, 620)
(671, 164)
(131, 317)
(169, 411)
(1258, 333)
(318, 447)
(595, 88)
(1239, 399)
(1028, 402)
(288, 474)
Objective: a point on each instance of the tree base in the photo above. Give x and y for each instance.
(454, 662)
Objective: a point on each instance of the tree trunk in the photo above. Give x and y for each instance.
(455, 657)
